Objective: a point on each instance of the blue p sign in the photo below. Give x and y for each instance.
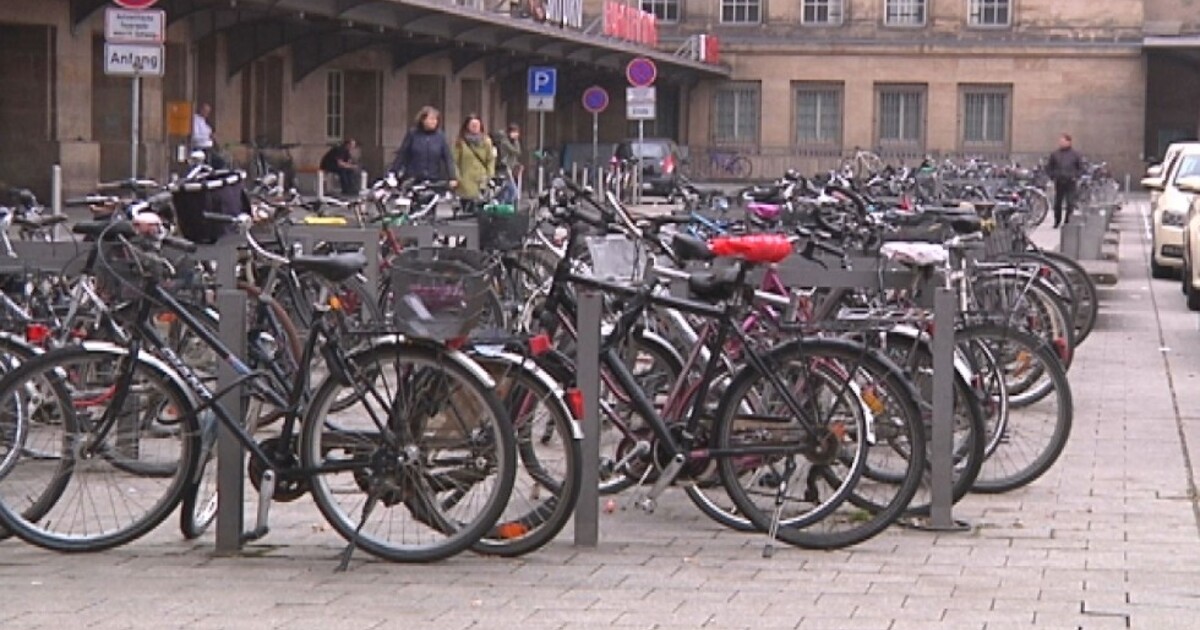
(542, 80)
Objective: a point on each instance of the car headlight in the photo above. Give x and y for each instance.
(1173, 219)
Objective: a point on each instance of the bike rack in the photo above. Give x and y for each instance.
(867, 273)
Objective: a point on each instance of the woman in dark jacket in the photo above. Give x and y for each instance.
(425, 154)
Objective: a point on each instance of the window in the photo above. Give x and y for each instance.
(989, 12)
(741, 11)
(664, 10)
(904, 12)
(828, 12)
(736, 115)
(901, 116)
(333, 105)
(985, 116)
(818, 115)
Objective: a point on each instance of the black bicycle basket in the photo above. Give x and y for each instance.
(439, 293)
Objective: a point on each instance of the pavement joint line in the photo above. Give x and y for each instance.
(1147, 253)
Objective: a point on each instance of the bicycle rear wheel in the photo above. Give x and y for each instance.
(110, 447)
(419, 465)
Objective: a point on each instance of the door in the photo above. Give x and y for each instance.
(362, 114)
(27, 108)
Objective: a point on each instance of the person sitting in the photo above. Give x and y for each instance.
(340, 160)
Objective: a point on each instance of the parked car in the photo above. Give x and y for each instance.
(1169, 207)
(1190, 274)
(661, 159)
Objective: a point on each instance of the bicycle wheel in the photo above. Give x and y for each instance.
(421, 465)
(741, 167)
(115, 475)
(1039, 419)
(866, 417)
(1037, 204)
(547, 482)
(1083, 289)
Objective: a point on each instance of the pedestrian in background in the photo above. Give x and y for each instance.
(424, 155)
(202, 135)
(509, 162)
(475, 161)
(340, 161)
(1064, 167)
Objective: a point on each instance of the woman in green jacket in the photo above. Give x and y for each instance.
(475, 158)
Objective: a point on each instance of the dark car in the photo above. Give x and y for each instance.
(661, 159)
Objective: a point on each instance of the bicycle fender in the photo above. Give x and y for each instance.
(155, 362)
(528, 364)
(458, 356)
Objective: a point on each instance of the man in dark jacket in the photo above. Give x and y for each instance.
(424, 154)
(340, 160)
(1065, 166)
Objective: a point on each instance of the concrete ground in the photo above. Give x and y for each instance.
(1107, 539)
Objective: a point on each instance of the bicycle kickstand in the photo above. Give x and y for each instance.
(266, 494)
(773, 531)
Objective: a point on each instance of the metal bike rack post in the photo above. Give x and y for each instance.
(587, 361)
(941, 456)
(231, 304)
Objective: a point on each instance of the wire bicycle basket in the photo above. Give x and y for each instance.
(438, 293)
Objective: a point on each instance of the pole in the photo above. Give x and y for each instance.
(637, 165)
(56, 200)
(595, 169)
(135, 126)
(541, 183)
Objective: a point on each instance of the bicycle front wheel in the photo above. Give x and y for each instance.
(741, 167)
(110, 446)
(417, 462)
(860, 417)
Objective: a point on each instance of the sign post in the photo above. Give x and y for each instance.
(595, 100)
(641, 73)
(543, 83)
(133, 47)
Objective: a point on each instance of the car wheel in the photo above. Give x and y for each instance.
(1192, 293)
(1158, 271)
(1185, 278)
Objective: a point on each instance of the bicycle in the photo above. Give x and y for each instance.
(729, 163)
(448, 470)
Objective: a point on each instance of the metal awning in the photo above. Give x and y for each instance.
(318, 31)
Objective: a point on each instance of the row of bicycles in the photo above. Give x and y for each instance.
(439, 410)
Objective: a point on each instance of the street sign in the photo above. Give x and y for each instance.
(136, 4)
(641, 72)
(540, 103)
(640, 103)
(128, 60)
(543, 81)
(131, 26)
(595, 99)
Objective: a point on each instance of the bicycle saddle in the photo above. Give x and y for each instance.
(714, 286)
(334, 267)
(39, 221)
(690, 248)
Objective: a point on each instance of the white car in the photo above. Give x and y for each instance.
(1169, 207)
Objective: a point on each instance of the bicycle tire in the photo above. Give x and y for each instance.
(1005, 342)
(890, 390)
(741, 167)
(400, 475)
(55, 368)
(1087, 297)
(530, 521)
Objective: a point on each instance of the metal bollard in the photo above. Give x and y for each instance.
(587, 510)
(1069, 235)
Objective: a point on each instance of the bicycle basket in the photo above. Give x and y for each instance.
(221, 192)
(439, 293)
(502, 228)
(616, 258)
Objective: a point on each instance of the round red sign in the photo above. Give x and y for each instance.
(135, 4)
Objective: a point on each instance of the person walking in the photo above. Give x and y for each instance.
(475, 161)
(509, 162)
(202, 135)
(340, 160)
(1064, 167)
(424, 155)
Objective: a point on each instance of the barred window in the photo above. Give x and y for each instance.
(333, 105)
(985, 116)
(818, 114)
(821, 12)
(664, 10)
(989, 12)
(741, 11)
(736, 114)
(901, 116)
(904, 12)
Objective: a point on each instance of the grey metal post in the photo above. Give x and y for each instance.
(135, 126)
(942, 456)
(595, 169)
(56, 199)
(231, 304)
(1069, 236)
(587, 360)
(637, 164)
(541, 183)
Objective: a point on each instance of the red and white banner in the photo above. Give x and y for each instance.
(630, 23)
(710, 49)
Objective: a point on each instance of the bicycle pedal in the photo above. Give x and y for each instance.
(647, 505)
(768, 551)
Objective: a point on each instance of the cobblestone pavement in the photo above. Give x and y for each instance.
(1107, 539)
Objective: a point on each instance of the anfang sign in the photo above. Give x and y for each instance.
(129, 60)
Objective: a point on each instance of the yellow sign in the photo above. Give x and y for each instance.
(179, 118)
